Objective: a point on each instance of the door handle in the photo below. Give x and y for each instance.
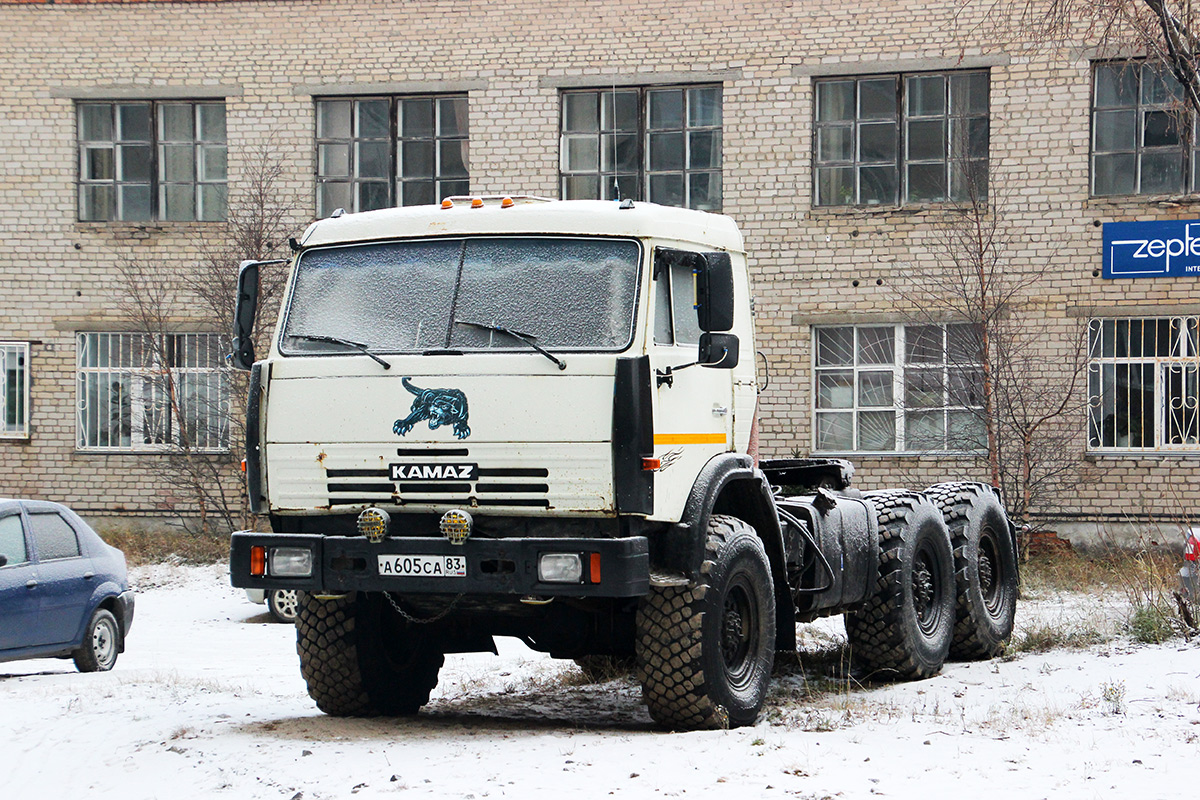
(30, 584)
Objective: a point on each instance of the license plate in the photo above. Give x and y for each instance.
(423, 566)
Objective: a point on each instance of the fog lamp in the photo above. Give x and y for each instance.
(291, 562)
(373, 524)
(560, 568)
(456, 525)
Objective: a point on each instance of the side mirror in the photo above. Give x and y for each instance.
(243, 315)
(714, 292)
(718, 350)
(3, 560)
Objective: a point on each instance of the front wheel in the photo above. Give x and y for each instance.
(705, 651)
(359, 658)
(101, 643)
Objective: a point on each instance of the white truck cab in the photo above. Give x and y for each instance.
(465, 355)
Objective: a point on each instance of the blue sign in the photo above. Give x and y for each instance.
(1152, 249)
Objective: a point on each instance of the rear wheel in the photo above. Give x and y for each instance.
(360, 658)
(705, 651)
(101, 643)
(904, 630)
(985, 564)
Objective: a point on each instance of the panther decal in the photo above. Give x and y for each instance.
(439, 406)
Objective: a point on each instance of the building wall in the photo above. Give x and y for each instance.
(268, 59)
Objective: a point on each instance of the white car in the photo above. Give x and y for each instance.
(280, 602)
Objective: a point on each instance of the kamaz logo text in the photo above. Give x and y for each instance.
(434, 472)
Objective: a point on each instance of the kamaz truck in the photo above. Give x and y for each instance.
(517, 417)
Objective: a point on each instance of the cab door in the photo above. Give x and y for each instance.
(693, 418)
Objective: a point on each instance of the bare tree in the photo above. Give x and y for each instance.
(1161, 30)
(1024, 396)
(199, 419)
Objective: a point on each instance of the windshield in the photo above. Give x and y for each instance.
(457, 294)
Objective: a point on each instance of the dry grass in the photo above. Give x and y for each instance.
(1146, 579)
(156, 546)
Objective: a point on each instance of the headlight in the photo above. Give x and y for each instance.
(291, 562)
(560, 568)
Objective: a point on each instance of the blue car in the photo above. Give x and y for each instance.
(63, 591)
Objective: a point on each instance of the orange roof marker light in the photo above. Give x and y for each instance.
(476, 202)
(506, 202)
(447, 203)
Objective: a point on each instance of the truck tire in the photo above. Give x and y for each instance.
(903, 631)
(358, 659)
(985, 566)
(705, 651)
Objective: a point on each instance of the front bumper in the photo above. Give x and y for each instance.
(493, 566)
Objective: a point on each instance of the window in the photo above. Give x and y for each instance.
(141, 161)
(378, 152)
(52, 536)
(893, 139)
(660, 144)
(561, 293)
(1142, 140)
(14, 399)
(12, 540)
(889, 388)
(140, 392)
(1142, 384)
(675, 317)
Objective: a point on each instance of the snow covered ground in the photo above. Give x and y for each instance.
(207, 701)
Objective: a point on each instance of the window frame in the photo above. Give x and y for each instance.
(1188, 166)
(1182, 355)
(18, 395)
(692, 130)
(395, 183)
(148, 433)
(899, 368)
(956, 149)
(156, 183)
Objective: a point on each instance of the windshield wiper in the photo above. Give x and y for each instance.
(527, 338)
(359, 346)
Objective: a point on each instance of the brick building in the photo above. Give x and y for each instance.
(836, 134)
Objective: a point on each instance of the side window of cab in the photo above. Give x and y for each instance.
(675, 318)
(12, 540)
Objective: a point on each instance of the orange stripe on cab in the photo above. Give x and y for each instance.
(690, 438)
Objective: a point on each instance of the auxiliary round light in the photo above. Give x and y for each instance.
(373, 524)
(456, 525)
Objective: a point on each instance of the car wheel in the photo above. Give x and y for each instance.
(101, 643)
(282, 604)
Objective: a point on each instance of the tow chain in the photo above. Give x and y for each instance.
(417, 621)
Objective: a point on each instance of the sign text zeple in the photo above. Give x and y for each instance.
(1163, 249)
